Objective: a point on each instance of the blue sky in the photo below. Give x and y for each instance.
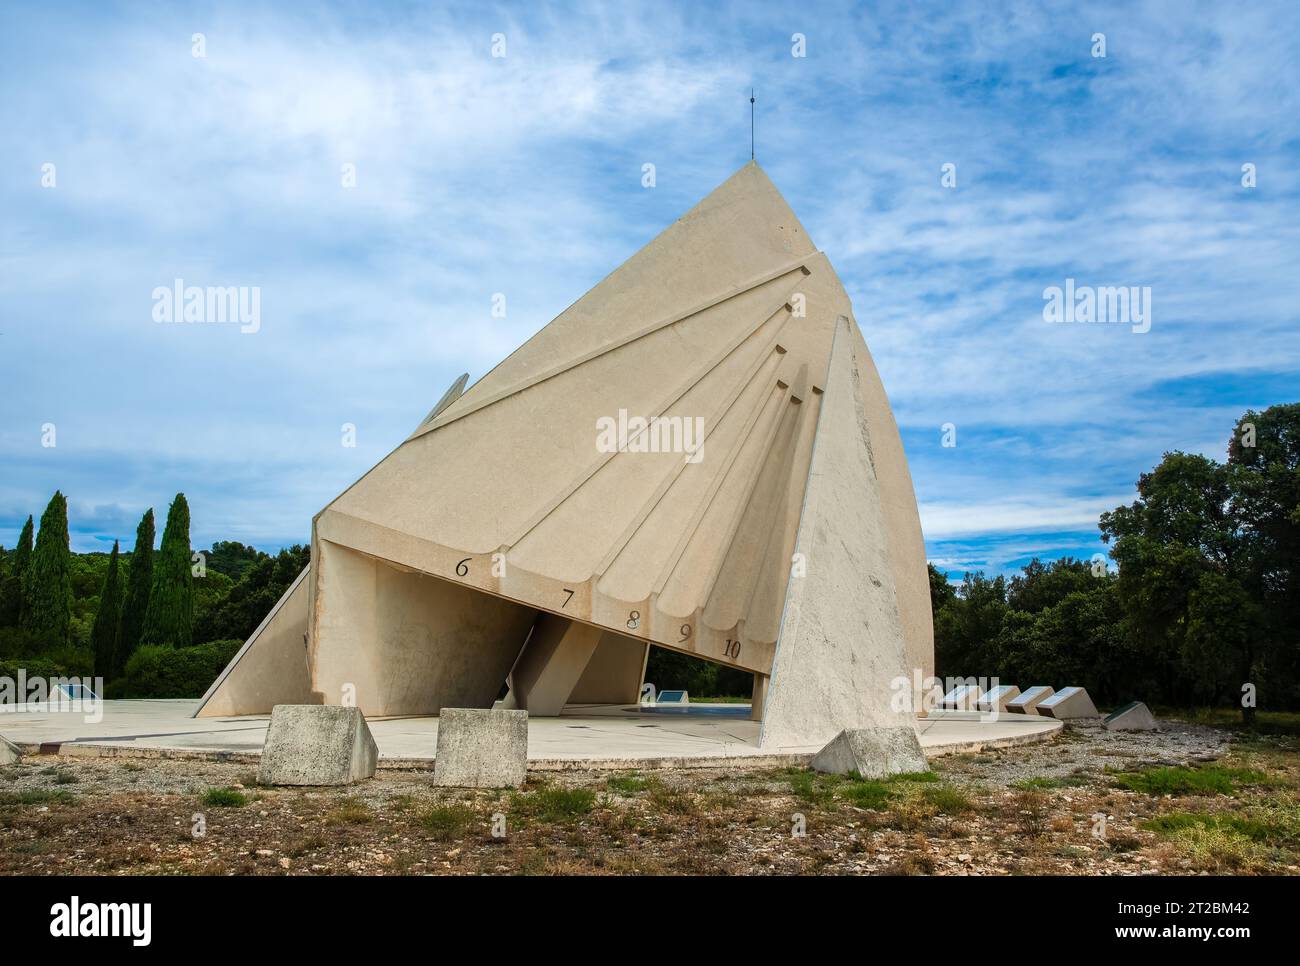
(522, 175)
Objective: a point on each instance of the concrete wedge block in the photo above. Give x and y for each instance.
(872, 752)
(481, 748)
(311, 744)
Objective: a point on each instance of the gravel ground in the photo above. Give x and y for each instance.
(1028, 810)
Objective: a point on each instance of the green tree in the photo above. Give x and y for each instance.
(1208, 559)
(942, 593)
(103, 636)
(11, 589)
(1041, 585)
(22, 553)
(232, 558)
(169, 618)
(139, 582)
(46, 586)
(1264, 466)
(965, 629)
(238, 613)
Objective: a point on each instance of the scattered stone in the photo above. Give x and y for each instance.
(481, 748)
(310, 744)
(1134, 716)
(872, 752)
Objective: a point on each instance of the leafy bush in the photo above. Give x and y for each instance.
(36, 667)
(174, 672)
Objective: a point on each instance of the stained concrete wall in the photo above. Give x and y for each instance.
(405, 642)
(614, 673)
(841, 644)
(904, 540)
(271, 667)
(551, 664)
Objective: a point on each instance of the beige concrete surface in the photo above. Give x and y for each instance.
(841, 643)
(1027, 701)
(872, 753)
(733, 334)
(997, 699)
(395, 641)
(552, 663)
(583, 737)
(272, 666)
(1068, 703)
(614, 673)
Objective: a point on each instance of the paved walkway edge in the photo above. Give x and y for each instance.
(100, 749)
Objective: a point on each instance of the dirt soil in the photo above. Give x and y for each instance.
(1191, 798)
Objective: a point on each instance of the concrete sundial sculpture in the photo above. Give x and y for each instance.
(697, 454)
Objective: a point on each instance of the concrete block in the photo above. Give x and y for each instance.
(9, 753)
(872, 752)
(1028, 702)
(312, 744)
(1068, 704)
(1134, 716)
(997, 699)
(479, 748)
(963, 698)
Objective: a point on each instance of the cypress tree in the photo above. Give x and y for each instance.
(11, 592)
(103, 635)
(169, 619)
(47, 582)
(23, 552)
(139, 581)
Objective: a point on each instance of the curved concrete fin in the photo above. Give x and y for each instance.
(902, 519)
(841, 650)
(740, 234)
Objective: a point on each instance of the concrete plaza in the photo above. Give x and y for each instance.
(596, 736)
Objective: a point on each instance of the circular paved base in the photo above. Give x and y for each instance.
(584, 737)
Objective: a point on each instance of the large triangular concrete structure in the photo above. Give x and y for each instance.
(754, 508)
